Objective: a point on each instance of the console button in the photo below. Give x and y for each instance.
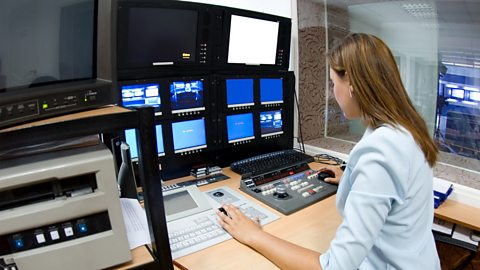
(40, 238)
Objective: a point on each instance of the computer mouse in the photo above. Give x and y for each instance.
(325, 174)
(221, 209)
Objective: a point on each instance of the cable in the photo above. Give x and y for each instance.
(329, 160)
(299, 121)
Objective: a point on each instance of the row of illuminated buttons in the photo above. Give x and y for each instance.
(54, 235)
(298, 184)
(311, 192)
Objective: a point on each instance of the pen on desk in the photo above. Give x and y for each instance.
(179, 265)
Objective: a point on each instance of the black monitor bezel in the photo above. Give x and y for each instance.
(282, 56)
(204, 39)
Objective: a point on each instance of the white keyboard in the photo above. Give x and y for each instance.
(199, 231)
(194, 233)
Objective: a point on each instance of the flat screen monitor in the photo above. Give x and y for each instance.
(131, 140)
(474, 96)
(142, 94)
(271, 91)
(240, 127)
(239, 92)
(457, 93)
(271, 123)
(189, 136)
(252, 41)
(187, 96)
(161, 36)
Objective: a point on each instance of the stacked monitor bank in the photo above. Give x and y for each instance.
(217, 77)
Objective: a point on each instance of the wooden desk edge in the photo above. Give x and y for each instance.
(110, 109)
(459, 213)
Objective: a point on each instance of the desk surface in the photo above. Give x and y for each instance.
(312, 227)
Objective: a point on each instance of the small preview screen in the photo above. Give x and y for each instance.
(239, 92)
(189, 135)
(271, 123)
(240, 127)
(271, 91)
(141, 94)
(458, 93)
(131, 140)
(187, 96)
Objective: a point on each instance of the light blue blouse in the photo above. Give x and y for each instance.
(385, 198)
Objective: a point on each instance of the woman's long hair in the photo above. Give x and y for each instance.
(378, 88)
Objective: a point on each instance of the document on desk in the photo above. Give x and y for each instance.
(136, 223)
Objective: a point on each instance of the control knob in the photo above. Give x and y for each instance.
(281, 192)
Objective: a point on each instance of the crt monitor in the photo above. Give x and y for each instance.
(239, 92)
(142, 94)
(271, 91)
(271, 123)
(189, 136)
(46, 42)
(187, 96)
(131, 140)
(252, 41)
(240, 127)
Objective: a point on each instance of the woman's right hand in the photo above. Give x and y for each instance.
(336, 170)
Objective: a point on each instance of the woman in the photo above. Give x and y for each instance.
(385, 195)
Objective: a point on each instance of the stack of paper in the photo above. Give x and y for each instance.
(441, 190)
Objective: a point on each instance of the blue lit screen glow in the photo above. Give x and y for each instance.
(271, 123)
(271, 91)
(189, 135)
(239, 92)
(141, 94)
(475, 96)
(240, 127)
(131, 140)
(187, 95)
(458, 93)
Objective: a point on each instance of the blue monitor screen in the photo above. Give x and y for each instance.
(271, 91)
(189, 135)
(271, 123)
(240, 127)
(141, 94)
(239, 92)
(458, 93)
(475, 96)
(186, 96)
(131, 140)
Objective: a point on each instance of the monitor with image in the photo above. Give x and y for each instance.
(189, 136)
(271, 91)
(240, 127)
(142, 94)
(131, 140)
(474, 96)
(271, 123)
(187, 96)
(239, 92)
(457, 93)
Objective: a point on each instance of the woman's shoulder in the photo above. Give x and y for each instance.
(387, 139)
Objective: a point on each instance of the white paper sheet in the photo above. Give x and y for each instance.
(136, 223)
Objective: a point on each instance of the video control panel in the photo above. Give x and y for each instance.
(289, 189)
